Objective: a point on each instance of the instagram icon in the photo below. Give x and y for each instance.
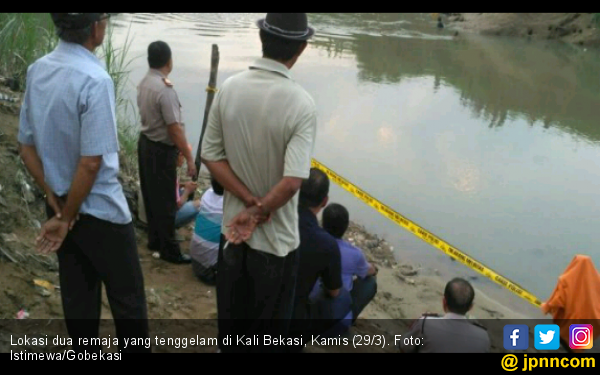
(581, 336)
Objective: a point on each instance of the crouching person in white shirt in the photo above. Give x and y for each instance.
(204, 247)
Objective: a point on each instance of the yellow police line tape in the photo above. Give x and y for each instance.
(418, 231)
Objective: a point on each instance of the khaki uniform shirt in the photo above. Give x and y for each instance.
(264, 124)
(451, 333)
(159, 106)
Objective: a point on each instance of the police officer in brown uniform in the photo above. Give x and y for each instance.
(451, 333)
(161, 140)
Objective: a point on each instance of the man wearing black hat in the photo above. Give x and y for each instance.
(258, 145)
(68, 142)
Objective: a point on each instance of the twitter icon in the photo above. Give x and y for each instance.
(547, 337)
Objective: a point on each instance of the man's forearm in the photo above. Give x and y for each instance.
(372, 270)
(34, 166)
(281, 194)
(177, 136)
(184, 198)
(82, 184)
(222, 172)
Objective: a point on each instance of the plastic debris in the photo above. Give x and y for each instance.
(8, 255)
(26, 190)
(22, 314)
(6, 98)
(156, 255)
(10, 237)
(405, 279)
(44, 284)
(28, 193)
(408, 270)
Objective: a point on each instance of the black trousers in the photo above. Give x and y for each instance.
(158, 180)
(95, 252)
(255, 297)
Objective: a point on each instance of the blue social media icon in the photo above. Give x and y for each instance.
(546, 337)
(516, 337)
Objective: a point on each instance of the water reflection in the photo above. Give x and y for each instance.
(404, 25)
(497, 79)
(386, 136)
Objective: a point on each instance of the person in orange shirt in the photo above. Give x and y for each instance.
(576, 299)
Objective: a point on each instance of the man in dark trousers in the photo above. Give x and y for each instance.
(68, 142)
(320, 259)
(258, 144)
(162, 137)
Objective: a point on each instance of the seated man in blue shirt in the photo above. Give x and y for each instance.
(319, 258)
(354, 264)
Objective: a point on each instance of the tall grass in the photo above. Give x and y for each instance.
(117, 61)
(24, 37)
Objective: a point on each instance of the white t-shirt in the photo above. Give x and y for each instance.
(204, 247)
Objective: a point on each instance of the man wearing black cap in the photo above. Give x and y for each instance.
(68, 142)
(258, 145)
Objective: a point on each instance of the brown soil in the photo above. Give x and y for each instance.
(577, 28)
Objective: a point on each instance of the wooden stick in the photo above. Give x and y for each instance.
(211, 89)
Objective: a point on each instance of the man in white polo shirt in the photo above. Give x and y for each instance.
(258, 145)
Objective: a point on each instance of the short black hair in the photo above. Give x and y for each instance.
(459, 295)
(336, 220)
(314, 189)
(277, 48)
(216, 186)
(78, 36)
(159, 54)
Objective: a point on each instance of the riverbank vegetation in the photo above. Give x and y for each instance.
(25, 37)
(117, 61)
(581, 29)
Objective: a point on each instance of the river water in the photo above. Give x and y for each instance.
(491, 144)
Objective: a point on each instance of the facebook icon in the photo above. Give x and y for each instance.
(516, 337)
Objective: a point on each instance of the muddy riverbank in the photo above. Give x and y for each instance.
(576, 28)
